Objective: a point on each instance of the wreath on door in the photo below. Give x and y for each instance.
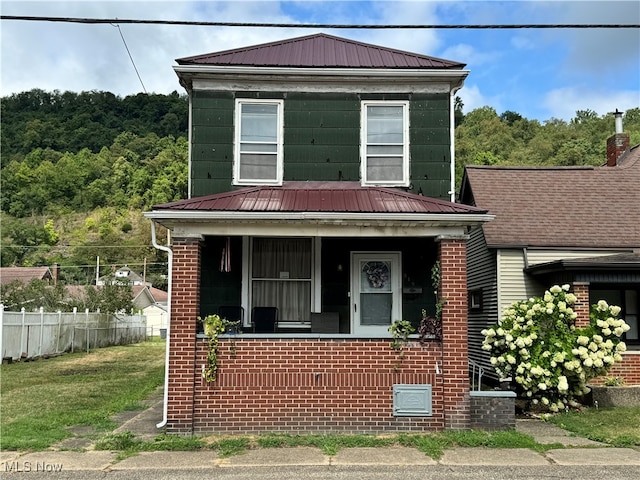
(377, 274)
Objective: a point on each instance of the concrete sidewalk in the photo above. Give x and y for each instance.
(53, 461)
(578, 451)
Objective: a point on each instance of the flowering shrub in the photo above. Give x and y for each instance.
(537, 344)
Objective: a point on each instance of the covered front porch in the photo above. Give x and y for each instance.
(337, 278)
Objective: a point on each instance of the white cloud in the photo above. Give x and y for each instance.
(564, 102)
(466, 53)
(472, 98)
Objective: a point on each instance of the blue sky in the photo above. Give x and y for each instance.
(541, 74)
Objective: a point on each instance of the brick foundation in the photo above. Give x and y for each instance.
(312, 385)
(493, 410)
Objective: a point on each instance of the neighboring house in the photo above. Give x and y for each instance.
(123, 275)
(557, 225)
(153, 304)
(26, 274)
(320, 187)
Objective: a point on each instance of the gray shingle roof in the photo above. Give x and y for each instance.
(320, 50)
(582, 207)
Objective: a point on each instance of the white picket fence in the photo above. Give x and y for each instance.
(32, 334)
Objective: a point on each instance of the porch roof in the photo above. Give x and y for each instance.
(319, 197)
(319, 209)
(621, 262)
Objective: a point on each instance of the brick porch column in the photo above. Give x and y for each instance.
(185, 303)
(452, 254)
(582, 307)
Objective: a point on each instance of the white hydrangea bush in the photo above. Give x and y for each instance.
(537, 344)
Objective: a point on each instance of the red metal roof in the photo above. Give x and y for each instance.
(347, 197)
(320, 50)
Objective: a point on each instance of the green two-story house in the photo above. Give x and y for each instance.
(320, 200)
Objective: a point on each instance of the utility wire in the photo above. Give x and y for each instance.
(130, 57)
(312, 25)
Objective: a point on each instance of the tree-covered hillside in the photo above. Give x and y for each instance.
(70, 122)
(78, 170)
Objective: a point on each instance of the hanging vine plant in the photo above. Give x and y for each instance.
(431, 326)
(214, 326)
(400, 330)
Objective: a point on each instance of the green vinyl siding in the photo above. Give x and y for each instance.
(211, 142)
(430, 169)
(321, 138)
(322, 135)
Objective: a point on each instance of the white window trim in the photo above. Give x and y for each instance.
(236, 144)
(247, 278)
(404, 182)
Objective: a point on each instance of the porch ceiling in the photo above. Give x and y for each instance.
(317, 209)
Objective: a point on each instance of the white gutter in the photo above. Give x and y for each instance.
(452, 141)
(190, 123)
(338, 217)
(166, 361)
(449, 74)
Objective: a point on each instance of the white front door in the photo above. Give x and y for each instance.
(375, 292)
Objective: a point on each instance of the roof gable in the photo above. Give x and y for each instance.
(344, 197)
(582, 207)
(320, 50)
(24, 274)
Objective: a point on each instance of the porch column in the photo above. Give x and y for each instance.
(185, 304)
(582, 308)
(452, 254)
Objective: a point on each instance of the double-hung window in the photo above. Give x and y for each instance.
(258, 146)
(385, 143)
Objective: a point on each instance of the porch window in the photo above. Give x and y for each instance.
(258, 146)
(281, 273)
(627, 300)
(385, 143)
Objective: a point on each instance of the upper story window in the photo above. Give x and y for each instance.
(258, 146)
(385, 143)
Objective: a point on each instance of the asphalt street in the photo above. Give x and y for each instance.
(412, 472)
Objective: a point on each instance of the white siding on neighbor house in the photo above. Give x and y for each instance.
(514, 285)
(481, 274)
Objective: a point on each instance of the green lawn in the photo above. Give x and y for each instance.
(40, 399)
(618, 426)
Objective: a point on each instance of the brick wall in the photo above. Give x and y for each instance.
(185, 298)
(493, 410)
(452, 253)
(582, 307)
(628, 370)
(304, 384)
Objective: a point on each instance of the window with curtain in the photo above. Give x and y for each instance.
(385, 143)
(281, 275)
(258, 149)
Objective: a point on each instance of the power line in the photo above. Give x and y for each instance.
(314, 25)
(130, 57)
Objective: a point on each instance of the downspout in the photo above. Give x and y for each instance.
(165, 401)
(452, 142)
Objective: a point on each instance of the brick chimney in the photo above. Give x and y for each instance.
(55, 273)
(617, 143)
